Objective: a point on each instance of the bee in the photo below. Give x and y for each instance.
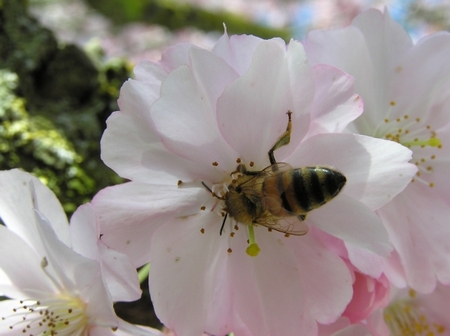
(280, 197)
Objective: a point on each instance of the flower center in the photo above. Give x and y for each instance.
(60, 315)
(221, 200)
(405, 318)
(421, 138)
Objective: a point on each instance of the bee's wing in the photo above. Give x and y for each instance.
(251, 186)
(275, 169)
(292, 225)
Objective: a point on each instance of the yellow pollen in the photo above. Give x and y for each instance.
(432, 142)
(398, 119)
(392, 103)
(405, 318)
(406, 116)
(386, 120)
(62, 314)
(431, 184)
(418, 119)
(253, 250)
(433, 157)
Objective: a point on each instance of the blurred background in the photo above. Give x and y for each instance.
(63, 63)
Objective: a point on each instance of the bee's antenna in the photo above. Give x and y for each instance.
(207, 187)
(223, 223)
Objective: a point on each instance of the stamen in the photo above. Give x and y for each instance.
(432, 142)
(253, 248)
(405, 318)
(58, 315)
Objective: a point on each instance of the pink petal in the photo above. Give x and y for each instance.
(376, 169)
(187, 275)
(373, 42)
(352, 222)
(190, 128)
(284, 290)
(129, 214)
(335, 104)
(420, 236)
(237, 50)
(252, 110)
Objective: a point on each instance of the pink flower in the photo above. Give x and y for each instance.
(185, 123)
(52, 288)
(408, 313)
(405, 92)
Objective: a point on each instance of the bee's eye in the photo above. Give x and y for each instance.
(238, 189)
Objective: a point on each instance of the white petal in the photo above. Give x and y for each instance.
(252, 111)
(186, 120)
(119, 275)
(84, 232)
(335, 104)
(22, 265)
(353, 222)
(417, 223)
(16, 206)
(118, 272)
(187, 276)
(129, 214)
(237, 50)
(376, 169)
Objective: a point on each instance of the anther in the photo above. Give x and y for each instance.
(251, 164)
(229, 250)
(203, 208)
(238, 160)
(179, 182)
(202, 230)
(232, 234)
(215, 164)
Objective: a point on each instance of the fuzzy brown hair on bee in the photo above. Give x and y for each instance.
(279, 196)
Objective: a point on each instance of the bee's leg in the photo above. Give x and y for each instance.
(301, 217)
(282, 140)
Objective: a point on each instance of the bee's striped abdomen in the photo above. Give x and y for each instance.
(304, 189)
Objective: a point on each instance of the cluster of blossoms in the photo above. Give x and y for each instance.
(373, 260)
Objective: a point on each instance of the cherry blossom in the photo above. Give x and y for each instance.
(407, 313)
(184, 125)
(52, 288)
(406, 100)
